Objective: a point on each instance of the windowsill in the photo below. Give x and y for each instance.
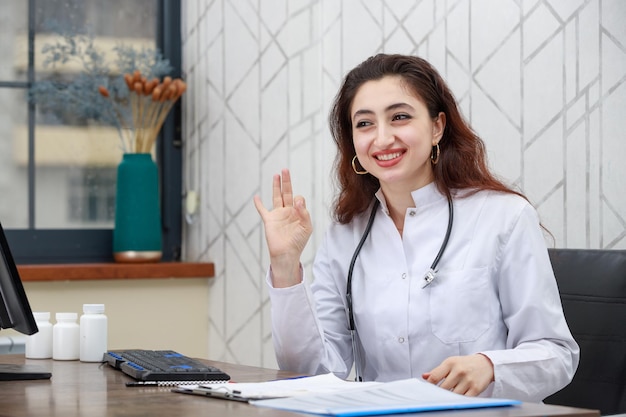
(101, 271)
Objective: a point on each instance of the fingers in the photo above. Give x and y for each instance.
(299, 202)
(282, 193)
(441, 376)
(437, 375)
(287, 190)
(466, 375)
(300, 205)
(277, 196)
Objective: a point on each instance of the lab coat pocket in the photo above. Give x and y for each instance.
(459, 305)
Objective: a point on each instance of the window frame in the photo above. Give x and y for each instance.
(50, 246)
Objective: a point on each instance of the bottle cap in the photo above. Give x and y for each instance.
(66, 316)
(41, 315)
(93, 308)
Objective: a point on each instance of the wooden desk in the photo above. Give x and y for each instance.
(95, 390)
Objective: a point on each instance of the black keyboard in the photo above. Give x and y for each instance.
(165, 366)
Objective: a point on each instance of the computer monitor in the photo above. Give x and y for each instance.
(15, 313)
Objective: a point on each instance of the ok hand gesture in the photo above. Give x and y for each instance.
(287, 230)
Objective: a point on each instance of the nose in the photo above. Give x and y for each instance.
(384, 136)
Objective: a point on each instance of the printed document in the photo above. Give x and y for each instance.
(245, 391)
(405, 396)
(329, 395)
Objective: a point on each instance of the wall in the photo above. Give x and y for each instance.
(543, 82)
(142, 313)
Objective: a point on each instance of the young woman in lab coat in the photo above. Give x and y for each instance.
(452, 282)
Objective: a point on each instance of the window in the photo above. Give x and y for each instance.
(57, 171)
(91, 197)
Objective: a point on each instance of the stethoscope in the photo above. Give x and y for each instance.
(428, 277)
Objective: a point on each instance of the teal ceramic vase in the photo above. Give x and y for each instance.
(137, 232)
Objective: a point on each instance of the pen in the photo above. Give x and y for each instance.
(164, 383)
(142, 384)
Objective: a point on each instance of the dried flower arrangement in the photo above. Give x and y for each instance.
(125, 92)
(149, 103)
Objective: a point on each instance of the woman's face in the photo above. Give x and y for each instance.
(393, 134)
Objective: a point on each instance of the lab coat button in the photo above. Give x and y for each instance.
(404, 275)
(401, 339)
(412, 213)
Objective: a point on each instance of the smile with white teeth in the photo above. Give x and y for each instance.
(389, 156)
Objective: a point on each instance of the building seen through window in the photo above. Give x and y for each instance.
(59, 166)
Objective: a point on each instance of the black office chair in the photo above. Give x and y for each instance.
(592, 284)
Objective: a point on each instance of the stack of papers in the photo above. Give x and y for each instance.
(327, 383)
(332, 396)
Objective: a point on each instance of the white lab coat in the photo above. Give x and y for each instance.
(495, 293)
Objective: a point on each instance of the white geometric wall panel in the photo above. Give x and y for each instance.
(542, 82)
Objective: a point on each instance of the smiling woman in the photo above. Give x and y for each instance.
(394, 135)
(466, 321)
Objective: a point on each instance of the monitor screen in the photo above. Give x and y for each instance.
(15, 313)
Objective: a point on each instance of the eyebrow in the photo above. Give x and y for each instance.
(391, 107)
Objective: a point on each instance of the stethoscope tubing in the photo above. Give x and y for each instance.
(428, 277)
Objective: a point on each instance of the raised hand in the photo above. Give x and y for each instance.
(287, 230)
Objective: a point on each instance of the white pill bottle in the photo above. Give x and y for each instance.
(93, 333)
(65, 337)
(39, 345)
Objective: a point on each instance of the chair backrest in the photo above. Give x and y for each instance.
(592, 284)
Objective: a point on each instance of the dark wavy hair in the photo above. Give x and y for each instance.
(462, 160)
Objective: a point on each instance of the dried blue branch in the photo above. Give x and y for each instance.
(80, 95)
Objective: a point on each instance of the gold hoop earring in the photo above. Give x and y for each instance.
(355, 169)
(434, 154)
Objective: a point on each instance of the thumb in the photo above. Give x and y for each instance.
(259, 206)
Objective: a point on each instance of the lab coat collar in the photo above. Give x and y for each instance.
(422, 197)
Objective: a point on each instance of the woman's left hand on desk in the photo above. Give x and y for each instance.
(468, 375)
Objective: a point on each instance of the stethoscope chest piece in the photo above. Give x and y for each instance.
(429, 277)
